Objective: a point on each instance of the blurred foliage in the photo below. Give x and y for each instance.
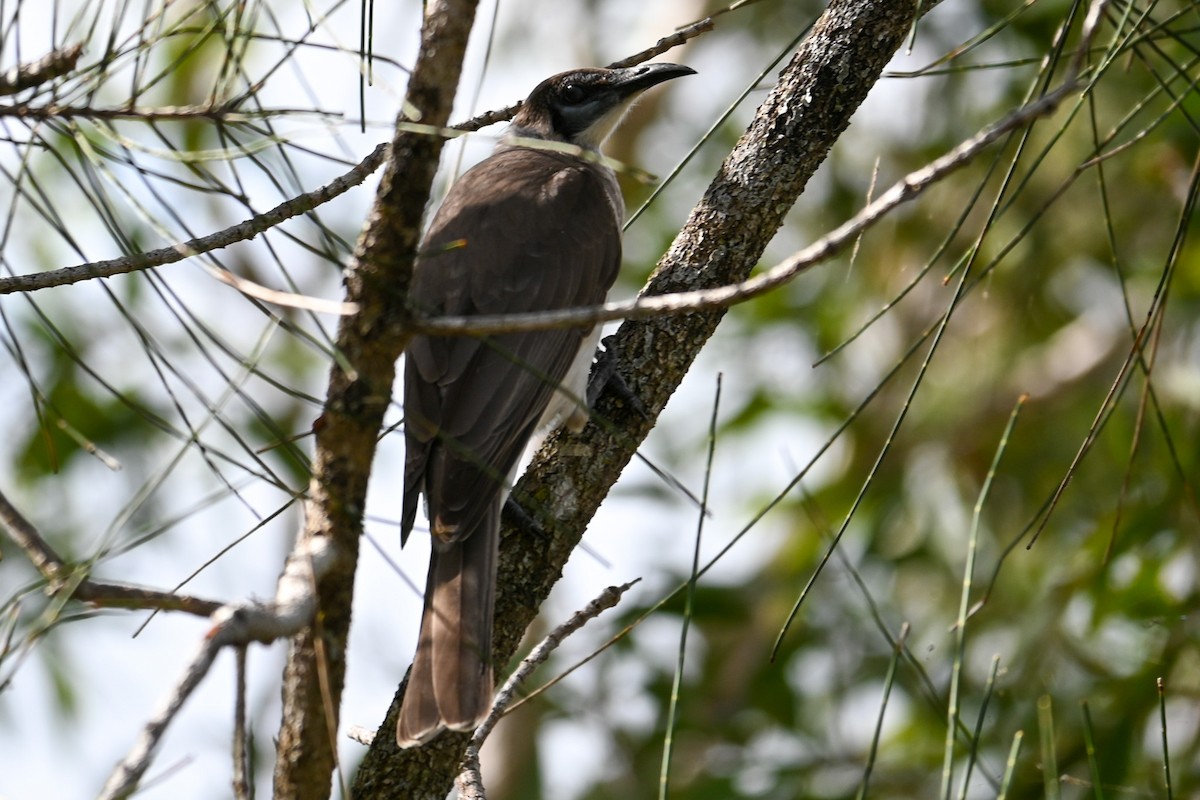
(1065, 256)
(196, 390)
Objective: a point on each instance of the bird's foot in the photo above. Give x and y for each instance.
(522, 519)
(606, 375)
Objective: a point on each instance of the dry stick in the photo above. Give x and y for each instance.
(236, 625)
(225, 113)
(53, 65)
(666, 43)
(469, 783)
(244, 230)
(124, 780)
(242, 789)
(908, 188)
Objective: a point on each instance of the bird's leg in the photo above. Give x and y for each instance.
(605, 374)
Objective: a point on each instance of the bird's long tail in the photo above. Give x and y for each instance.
(450, 684)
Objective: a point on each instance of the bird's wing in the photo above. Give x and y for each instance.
(525, 230)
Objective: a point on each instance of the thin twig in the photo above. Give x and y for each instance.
(278, 298)
(244, 230)
(666, 43)
(128, 773)
(223, 113)
(888, 682)
(1166, 750)
(661, 46)
(908, 188)
(469, 782)
(689, 600)
(241, 749)
(53, 65)
(234, 625)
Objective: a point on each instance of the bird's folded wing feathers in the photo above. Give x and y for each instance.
(525, 231)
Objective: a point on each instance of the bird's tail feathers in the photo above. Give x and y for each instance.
(450, 684)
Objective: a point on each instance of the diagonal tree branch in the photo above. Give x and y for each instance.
(817, 93)
(370, 341)
(645, 306)
(247, 229)
(469, 783)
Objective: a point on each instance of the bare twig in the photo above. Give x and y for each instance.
(223, 113)
(469, 781)
(276, 297)
(661, 46)
(129, 772)
(244, 230)
(908, 188)
(241, 748)
(53, 65)
(234, 625)
(666, 43)
(44, 559)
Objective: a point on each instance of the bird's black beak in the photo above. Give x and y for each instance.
(631, 80)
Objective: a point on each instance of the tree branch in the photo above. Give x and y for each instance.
(469, 782)
(243, 231)
(234, 625)
(53, 65)
(224, 113)
(370, 341)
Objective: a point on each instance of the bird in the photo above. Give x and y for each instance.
(535, 226)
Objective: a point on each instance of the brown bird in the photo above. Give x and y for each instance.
(531, 228)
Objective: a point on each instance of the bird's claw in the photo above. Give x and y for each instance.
(605, 374)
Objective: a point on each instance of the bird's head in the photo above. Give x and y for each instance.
(583, 106)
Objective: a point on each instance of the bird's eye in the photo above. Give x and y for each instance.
(572, 93)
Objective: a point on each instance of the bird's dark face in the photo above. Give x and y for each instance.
(583, 106)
